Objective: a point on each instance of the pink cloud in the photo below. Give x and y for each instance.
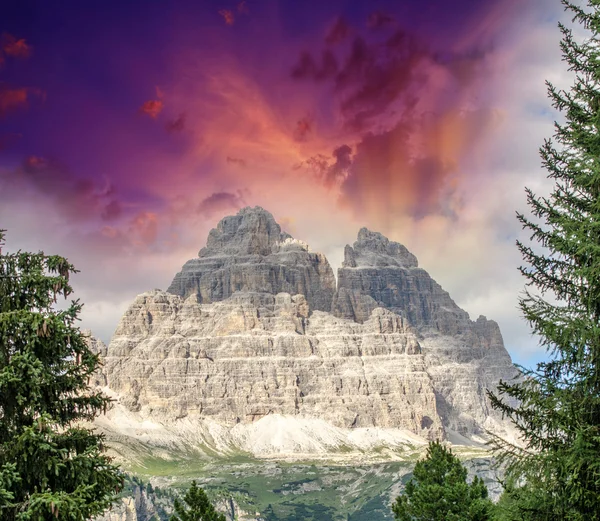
(15, 48)
(152, 108)
(227, 15)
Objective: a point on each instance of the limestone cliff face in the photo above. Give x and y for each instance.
(379, 273)
(252, 328)
(463, 357)
(257, 354)
(249, 252)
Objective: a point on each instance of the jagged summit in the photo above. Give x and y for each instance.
(248, 252)
(270, 334)
(377, 272)
(372, 249)
(252, 231)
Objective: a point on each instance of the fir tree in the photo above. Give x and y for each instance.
(438, 491)
(51, 467)
(558, 411)
(198, 508)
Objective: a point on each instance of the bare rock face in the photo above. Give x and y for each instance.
(249, 252)
(257, 354)
(379, 273)
(252, 328)
(463, 357)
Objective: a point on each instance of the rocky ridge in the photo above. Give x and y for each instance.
(248, 252)
(255, 328)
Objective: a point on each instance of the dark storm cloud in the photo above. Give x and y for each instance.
(237, 161)
(331, 172)
(375, 76)
(339, 169)
(464, 66)
(378, 19)
(307, 67)
(303, 129)
(338, 32)
(177, 124)
(372, 76)
(221, 202)
(75, 197)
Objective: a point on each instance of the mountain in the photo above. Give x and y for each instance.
(290, 395)
(253, 347)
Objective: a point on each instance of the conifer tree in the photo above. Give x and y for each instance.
(51, 467)
(558, 411)
(438, 491)
(198, 508)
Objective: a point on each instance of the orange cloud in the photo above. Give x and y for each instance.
(15, 98)
(227, 15)
(152, 108)
(144, 228)
(15, 48)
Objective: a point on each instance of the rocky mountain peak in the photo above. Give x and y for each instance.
(252, 231)
(372, 249)
(248, 253)
(236, 340)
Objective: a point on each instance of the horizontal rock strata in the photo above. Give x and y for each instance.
(256, 327)
(256, 354)
(249, 252)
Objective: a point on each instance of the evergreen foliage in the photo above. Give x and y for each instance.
(438, 491)
(558, 404)
(51, 467)
(198, 508)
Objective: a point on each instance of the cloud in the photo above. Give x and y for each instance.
(221, 202)
(144, 229)
(152, 108)
(242, 7)
(307, 67)
(16, 98)
(75, 197)
(338, 32)
(373, 77)
(237, 161)
(13, 47)
(227, 15)
(177, 124)
(112, 210)
(329, 172)
(465, 66)
(378, 19)
(303, 128)
(339, 169)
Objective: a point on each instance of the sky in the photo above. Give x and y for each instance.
(129, 129)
